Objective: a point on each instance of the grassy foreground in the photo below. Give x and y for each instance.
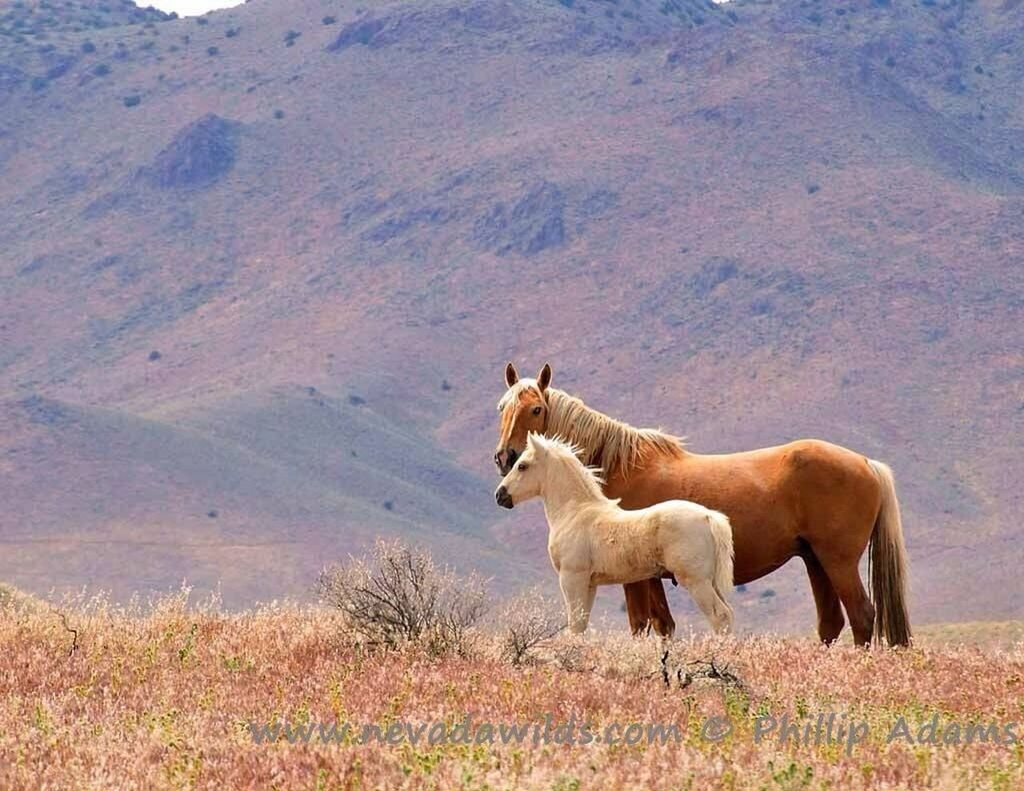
(163, 700)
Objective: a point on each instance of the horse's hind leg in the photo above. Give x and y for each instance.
(826, 600)
(715, 608)
(845, 579)
(579, 597)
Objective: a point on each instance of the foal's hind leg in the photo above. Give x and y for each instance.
(715, 608)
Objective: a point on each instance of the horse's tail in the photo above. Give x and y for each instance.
(887, 564)
(721, 533)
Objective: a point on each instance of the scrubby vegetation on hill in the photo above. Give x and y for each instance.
(29, 18)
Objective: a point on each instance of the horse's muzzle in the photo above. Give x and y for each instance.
(505, 459)
(503, 498)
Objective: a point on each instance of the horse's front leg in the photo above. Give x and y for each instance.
(576, 592)
(661, 618)
(638, 606)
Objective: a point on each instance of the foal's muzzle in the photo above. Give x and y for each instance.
(505, 459)
(503, 498)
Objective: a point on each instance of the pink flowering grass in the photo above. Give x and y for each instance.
(163, 698)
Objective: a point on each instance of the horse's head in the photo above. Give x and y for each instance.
(523, 481)
(523, 408)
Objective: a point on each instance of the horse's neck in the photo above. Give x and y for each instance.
(614, 446)
(590, 446)
(565, 491)
(569, 432)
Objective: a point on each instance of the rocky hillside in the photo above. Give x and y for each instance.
(261, 270)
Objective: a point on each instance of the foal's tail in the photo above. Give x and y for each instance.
(721, 533)
(887, 565)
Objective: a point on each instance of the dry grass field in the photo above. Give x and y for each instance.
(162, 696)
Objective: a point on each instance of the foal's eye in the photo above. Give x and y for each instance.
(523, 467)
(537, 410)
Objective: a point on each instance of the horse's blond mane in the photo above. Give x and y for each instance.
(618, 446)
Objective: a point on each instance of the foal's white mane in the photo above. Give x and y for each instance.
(618, 446)
(556, 451)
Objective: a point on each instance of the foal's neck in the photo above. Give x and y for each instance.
(567, 487)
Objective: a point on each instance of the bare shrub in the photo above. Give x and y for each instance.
(572, 656)
(711, 670)
(399, 595)
(527, 621)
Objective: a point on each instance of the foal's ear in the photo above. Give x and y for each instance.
(544, 377)
(534, 443)
(511, 375)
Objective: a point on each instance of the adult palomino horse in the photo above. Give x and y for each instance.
(592, 541)
(809, 499)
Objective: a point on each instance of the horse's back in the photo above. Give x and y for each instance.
(828, 480)
(797, 476)
(782, 459)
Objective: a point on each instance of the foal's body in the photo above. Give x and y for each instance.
(592, 541)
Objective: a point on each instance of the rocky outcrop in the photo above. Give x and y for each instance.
(200, 155)
(534, 223)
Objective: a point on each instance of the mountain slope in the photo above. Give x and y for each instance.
(747, 223)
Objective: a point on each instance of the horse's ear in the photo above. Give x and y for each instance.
(511, 375)
(534, 443)
(544, 377)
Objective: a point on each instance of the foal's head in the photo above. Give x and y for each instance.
(524, 480)
(551, 462)
(524, 408)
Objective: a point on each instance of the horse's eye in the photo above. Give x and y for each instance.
(522, 467)
(537, 410)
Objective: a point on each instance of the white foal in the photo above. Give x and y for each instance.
(591, 541)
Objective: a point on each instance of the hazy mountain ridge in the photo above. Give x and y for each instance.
(746, 223)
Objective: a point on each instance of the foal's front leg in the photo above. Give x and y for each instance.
(576, 590)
